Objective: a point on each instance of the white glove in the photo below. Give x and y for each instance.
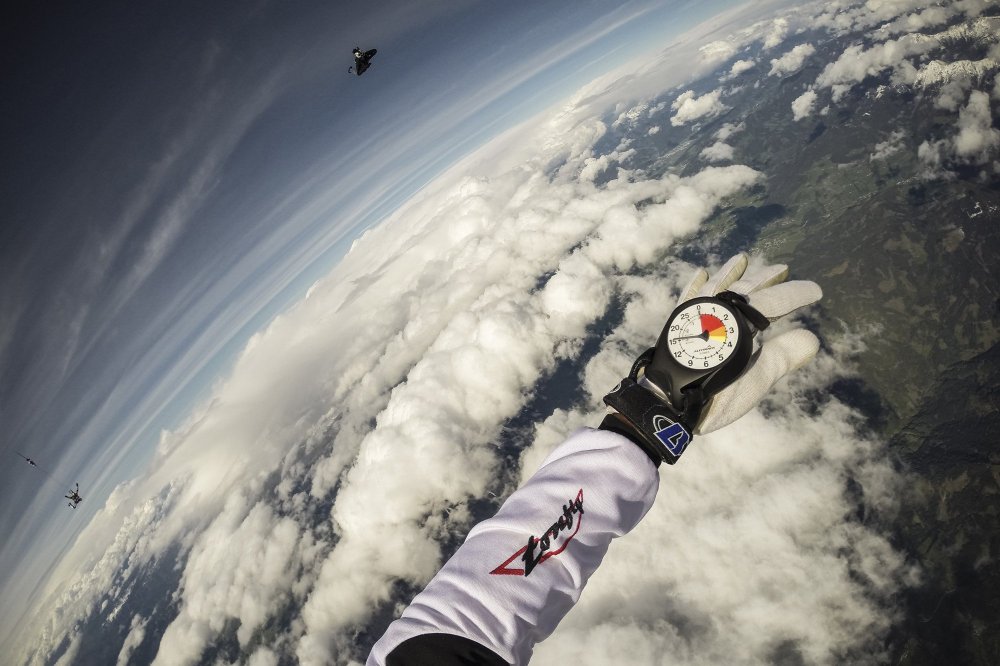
(645, 413)
(766, 290)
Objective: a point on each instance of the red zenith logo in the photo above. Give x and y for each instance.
(527, 553)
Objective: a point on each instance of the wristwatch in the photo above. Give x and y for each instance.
(706, 345)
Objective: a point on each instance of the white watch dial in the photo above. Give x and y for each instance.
(703, 336)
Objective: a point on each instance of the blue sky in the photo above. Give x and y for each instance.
(176, 174)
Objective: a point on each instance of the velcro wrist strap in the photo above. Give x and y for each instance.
(658, 423)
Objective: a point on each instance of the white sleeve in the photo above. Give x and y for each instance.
(519, 572)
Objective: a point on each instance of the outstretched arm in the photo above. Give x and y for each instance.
(520, 572)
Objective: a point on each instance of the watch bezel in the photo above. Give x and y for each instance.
(734, 321)
(678, 378)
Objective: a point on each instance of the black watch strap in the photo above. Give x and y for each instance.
(660, 426)
(740, 302)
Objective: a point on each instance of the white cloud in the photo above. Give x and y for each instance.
(136, 634)
(972, 8)
(241, 567)
(631, 116)
(892, 16)
(890, 146)
(929, 156)
(718, 51)
(728, 130)
(263, 657)
(654, 130)
(777, 34)
(198, 180)
(312, 382)
(594, 166)
(977, 140)
(976, 143)
(802, 106)
(68, 657)
(920, 20)
(769, 33)
(718, 152)
(433, 326)
(952, 95)
(792, 61)
(857, 63)
(690, 107)
(741, 66)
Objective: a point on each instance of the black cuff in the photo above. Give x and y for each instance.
(442, 650)
(612, 423)
(660, 426)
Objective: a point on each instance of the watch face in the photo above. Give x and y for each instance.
(703, 335)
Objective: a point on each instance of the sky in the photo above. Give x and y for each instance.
(194, 327)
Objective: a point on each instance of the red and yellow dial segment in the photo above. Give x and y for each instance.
(702, 336)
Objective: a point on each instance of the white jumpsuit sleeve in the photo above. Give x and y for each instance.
(519, 572)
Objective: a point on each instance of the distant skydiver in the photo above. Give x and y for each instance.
(74, 497)
(362, 60)
(29, 460)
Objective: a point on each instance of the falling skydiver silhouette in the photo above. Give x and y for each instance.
(362, 60)
(74, 497)
(49, 477)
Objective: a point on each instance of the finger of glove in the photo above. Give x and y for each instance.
(761, 278)
(730, 272)
(777, 301)
(779, 356)
(694, 285)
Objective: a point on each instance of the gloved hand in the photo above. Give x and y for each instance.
(645, 410)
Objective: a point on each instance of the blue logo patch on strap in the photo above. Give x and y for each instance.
(672, 435)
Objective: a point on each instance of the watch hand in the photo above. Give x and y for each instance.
(701, 336)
